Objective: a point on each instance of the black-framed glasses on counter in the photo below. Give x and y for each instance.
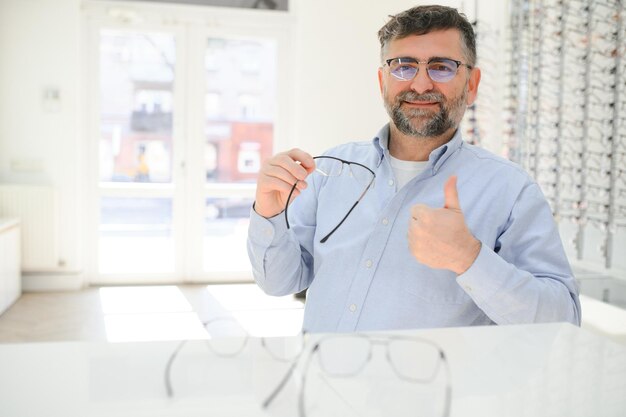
(330, 166)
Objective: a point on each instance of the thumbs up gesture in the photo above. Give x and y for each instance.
(439, 237)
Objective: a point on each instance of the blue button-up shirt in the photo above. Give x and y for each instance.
(364, 276)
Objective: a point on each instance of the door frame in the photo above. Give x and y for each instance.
(190, 25)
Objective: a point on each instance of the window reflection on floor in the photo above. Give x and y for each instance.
(145, 313)
(133, 314)
(258, 313)
(155, 326)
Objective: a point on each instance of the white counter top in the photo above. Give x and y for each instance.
(527, 370)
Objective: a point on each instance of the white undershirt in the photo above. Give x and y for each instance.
(405, 171)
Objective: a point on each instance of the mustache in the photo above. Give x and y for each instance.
(413, 96)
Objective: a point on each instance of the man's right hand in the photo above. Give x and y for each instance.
(276, 178)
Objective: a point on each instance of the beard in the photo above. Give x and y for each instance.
(425, 123)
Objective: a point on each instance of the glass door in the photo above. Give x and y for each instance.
(238, 133)
(184, 115)
(139, 150)
(235, 129)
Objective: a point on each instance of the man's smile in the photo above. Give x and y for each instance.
(421, 104)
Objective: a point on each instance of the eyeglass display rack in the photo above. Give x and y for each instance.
(565, 117)
(479, 118)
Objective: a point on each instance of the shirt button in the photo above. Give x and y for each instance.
(353, 307)
(369, 263)
(468, 288)
(391, 183)
(385, 221)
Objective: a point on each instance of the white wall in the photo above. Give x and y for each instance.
(39, 49)
(336, 96)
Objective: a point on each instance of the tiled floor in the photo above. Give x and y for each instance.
(119, 314)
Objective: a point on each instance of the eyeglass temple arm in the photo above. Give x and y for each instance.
(285, 378)
(280, 385)
(305, 371)
(168, 369)
(287, 206)
(325, 238)
(448, 395)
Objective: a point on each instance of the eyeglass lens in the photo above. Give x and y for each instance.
(410, 359)
(227, 338)
(439, 70)
(284, 349)
(330, 167)
(413, 360)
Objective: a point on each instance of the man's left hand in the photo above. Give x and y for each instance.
(439, 237)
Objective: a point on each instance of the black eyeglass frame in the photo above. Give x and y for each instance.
(434, 59)
(343, 161)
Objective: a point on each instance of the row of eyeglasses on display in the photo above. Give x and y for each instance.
(567, 113)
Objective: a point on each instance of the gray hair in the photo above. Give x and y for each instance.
(420, 20)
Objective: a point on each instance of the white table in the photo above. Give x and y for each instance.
(526, 370)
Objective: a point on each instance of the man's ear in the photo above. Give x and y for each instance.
(472, 85)
(380, 79)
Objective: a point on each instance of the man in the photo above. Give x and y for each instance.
(447, 234)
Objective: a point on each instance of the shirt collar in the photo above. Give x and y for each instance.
(436, 158)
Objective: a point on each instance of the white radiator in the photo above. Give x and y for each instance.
(10, 277)
(36, 207)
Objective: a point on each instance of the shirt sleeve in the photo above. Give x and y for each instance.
(525, 277)
(280, 266)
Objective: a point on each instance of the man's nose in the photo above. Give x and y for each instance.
(422, 82)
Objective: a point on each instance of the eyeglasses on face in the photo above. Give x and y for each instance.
(440, 70)
(330, 166)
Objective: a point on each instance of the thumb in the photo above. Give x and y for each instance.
(451, 196)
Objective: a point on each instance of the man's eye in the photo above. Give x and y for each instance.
(441, 67)
(404, 67)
